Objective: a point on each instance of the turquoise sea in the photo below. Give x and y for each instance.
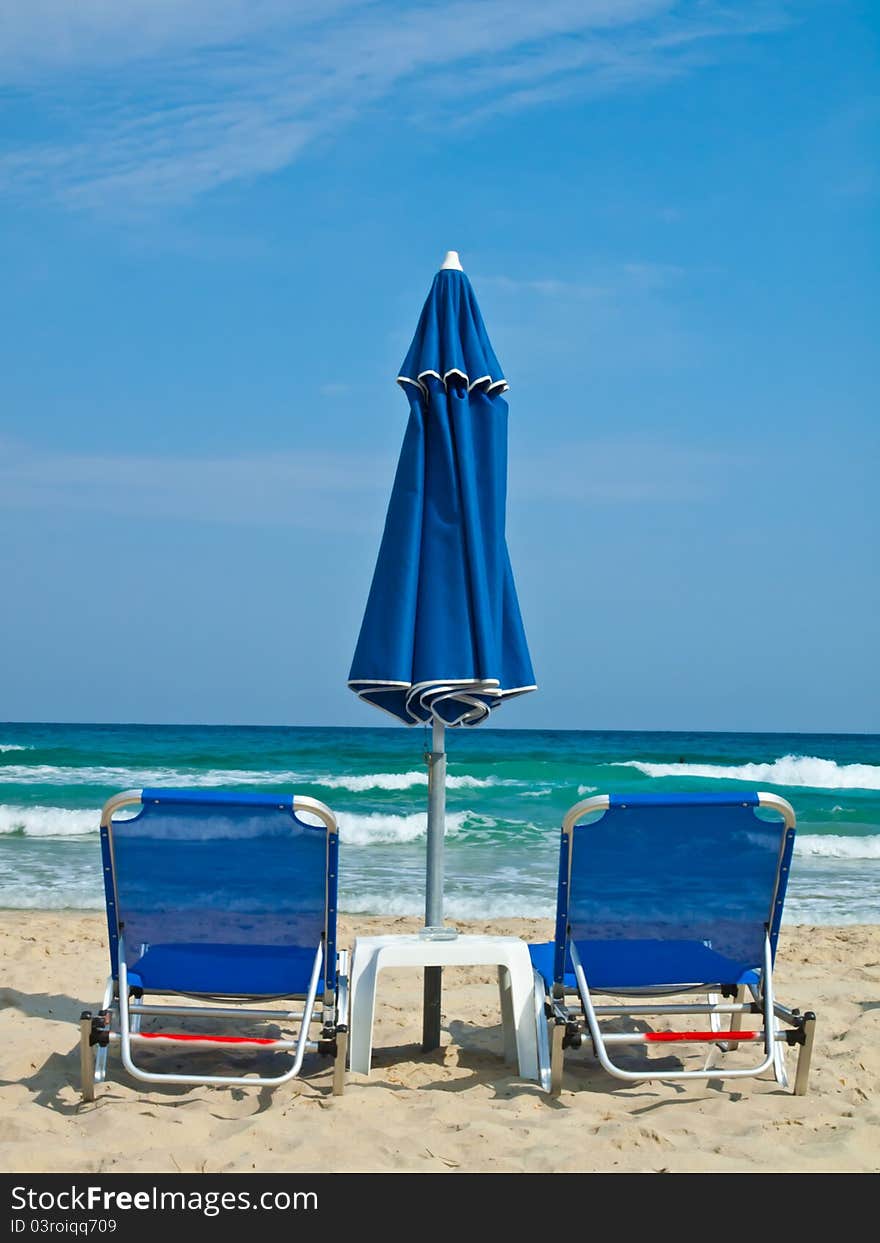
(508, 790)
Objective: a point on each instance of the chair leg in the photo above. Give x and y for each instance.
(557, 1054)
(715, 1050)
(714, 1019)
(86, 1057)
(600, 1043)
(250, 1081)
(736, 1020)
(805, 1055)
(105, 1014)
(339, 1063)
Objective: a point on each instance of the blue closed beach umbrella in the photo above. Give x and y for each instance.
(442, 640)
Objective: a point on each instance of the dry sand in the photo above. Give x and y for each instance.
(458, 1109)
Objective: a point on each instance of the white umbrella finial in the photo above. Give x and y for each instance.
(451, 261)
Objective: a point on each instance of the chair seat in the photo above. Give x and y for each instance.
(224, 970)
(616, 966)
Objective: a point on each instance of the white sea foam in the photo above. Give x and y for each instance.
(122, 778)
(791, 770)
(380, 828)
(26, 896)
(48, 821)
(587, 790)
(401, 781)
(374, 781)
(832, 846)
(13, 746)
(84, 894)
(356, 830)
(494, 906)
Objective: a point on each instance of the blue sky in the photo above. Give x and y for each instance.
(218, 222)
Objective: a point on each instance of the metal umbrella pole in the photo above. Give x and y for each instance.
(442, 636)
(434, 879)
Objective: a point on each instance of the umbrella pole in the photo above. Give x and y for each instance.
(434, 881)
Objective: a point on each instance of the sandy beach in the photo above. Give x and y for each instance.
(459, 1109)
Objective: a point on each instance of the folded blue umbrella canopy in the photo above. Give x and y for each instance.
(442, 639)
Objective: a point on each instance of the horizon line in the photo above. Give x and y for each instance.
(549, 729)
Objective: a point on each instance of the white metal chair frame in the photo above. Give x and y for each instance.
(567, 1028)
(118, 1023)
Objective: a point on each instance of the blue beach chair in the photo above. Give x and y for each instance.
(230, 899)
(663, 895)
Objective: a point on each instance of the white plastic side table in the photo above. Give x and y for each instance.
(515, 983)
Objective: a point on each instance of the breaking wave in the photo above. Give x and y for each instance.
(403, 781)
(493, 906)
(809, 771)
(817, 846)
(128, 778)
(378, 828)
(122, 778)
(48, 821)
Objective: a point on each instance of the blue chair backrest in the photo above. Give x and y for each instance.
(213, 868)
(698, 867)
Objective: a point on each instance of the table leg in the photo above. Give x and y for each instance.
(522, 994)
(364, 970)
(508, 1018)
(431, 1012)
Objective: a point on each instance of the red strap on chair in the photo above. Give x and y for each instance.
(695, 1036)
(204, 1039)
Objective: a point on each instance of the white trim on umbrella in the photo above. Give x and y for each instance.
(440, 690)
(501, 384)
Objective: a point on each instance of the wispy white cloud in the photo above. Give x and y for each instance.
(651, 275)
(544, 286)
(156, 101)
(636, 470)
(339, 491)
(843, 151)
(609, 281)
(92, 35)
